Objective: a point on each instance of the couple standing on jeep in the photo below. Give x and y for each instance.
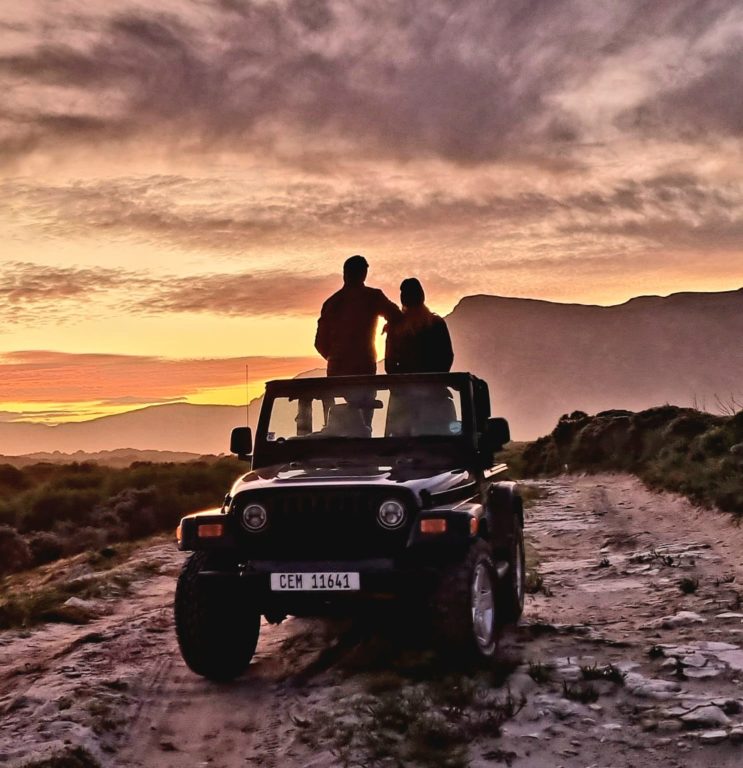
(417, 340)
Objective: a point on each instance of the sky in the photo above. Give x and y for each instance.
(181, 180)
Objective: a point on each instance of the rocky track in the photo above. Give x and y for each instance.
(630, 653)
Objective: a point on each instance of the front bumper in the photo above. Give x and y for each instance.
(380, 580)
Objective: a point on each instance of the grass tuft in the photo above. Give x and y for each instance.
(608, 672)
(540, 672)
(581, 692)
(688, 585)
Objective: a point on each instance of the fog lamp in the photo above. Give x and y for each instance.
(254, 517)
(391, 514)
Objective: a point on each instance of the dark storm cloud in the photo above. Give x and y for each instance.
(470, 82)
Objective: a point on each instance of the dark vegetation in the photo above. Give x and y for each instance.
(49, 511)
(678, 449)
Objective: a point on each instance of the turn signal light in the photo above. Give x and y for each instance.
(474, 525)
(433, 525)
(211, 531)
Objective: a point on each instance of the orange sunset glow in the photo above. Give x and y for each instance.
(181, 182)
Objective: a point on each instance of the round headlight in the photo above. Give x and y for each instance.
(254, 517)
(391, 514)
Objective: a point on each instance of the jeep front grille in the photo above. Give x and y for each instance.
(322, 524)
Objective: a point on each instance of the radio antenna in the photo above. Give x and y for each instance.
(247, 393)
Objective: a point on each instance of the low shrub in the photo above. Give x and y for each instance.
(49, 510)
(46, 547)
(14, 551)
(670, 448)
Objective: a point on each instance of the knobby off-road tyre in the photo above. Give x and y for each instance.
(512, 587)
(216, 626)
(464, 606)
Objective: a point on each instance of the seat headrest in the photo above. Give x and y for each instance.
(346, 421)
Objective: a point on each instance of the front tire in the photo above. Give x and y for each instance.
(216, 626)
(464, 605)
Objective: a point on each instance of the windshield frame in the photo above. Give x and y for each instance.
(268, 452)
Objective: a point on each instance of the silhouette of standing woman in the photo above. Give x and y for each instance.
(420, 341)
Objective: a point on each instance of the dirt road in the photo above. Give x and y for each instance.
(630, 653)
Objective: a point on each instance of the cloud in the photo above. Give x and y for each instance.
(232, 217)
(271, 294)
(226, 215)
(705, 105)
(32, 293)
(470, 83)
(24, 283)
(28, 289)
(56, 377)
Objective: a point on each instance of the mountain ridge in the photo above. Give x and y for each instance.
(541, 359)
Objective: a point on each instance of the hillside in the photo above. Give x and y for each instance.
(544, 359)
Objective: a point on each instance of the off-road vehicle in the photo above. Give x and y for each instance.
(362, 489)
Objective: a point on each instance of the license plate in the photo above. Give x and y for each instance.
(333, 581)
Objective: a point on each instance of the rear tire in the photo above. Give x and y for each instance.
(216, 625)
(464, 605)
(512, 588)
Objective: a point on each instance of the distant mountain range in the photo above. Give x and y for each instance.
(121, 457)
(177, 427)
(541, 359)
(544, 359)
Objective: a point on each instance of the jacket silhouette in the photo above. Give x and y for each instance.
(348, 323)
(419, 342)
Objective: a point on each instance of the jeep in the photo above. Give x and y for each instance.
(361, 489)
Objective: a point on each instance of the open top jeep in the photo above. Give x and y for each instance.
(362, 488)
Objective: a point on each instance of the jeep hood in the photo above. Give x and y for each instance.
(412, 477)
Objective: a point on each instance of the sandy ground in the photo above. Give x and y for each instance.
(612, 557)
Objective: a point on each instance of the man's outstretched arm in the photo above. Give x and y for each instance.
(387, 309)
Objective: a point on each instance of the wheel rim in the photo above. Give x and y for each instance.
(483, 606)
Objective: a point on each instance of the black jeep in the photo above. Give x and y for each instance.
(362, 488)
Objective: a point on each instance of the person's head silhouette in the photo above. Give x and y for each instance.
(355, 270)
(412, 293)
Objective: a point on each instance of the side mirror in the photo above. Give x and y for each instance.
(241, 442)
(497, 434)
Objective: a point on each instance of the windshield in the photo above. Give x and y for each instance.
(363, 411)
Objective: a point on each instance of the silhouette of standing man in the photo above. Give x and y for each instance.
(348, 322)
